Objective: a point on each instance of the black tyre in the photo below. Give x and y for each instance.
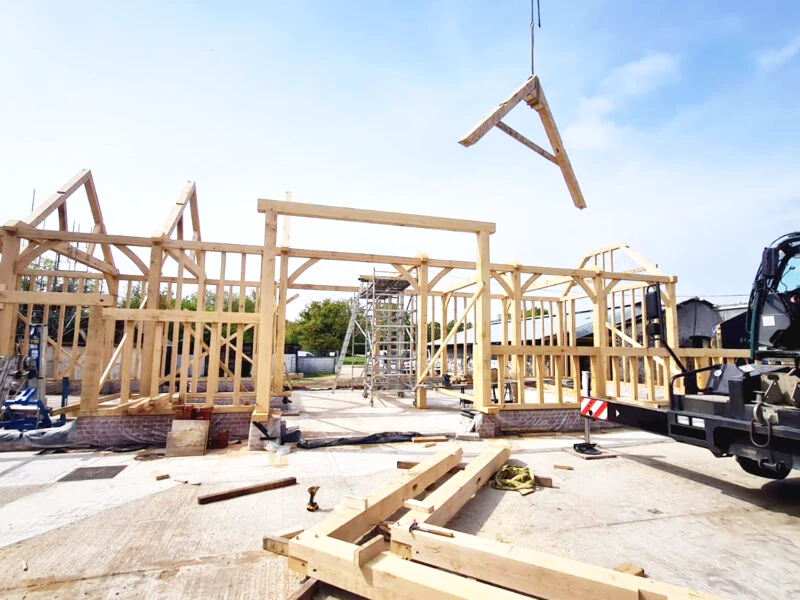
(751, 466)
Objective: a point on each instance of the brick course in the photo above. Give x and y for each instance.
(532, 421)
(151, 430)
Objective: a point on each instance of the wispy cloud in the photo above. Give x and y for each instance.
(594, 128)
(775, 58)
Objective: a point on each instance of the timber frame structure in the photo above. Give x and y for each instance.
(137, 338)
(361, 550)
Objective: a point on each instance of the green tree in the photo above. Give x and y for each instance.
(320, 327)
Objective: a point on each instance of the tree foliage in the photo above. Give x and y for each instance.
(320, 327)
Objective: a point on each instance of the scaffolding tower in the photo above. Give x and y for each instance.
(388, 325)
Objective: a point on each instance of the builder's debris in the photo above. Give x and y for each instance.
(24, 565)
(424, 439)
(630, 569)
(187, 480)
(349, 551)
(513, 478)
(428, 444)
(159, 475)
(563, 467)
(468, 436)
(244, 491)
(546, 482)
(188, 437)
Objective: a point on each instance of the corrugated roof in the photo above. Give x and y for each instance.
(536, 328)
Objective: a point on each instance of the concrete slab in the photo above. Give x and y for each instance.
(684, 516)
(348, 413)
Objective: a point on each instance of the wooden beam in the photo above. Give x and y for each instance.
(452, 495)
(526, 142)
(530, 86)
(56, 298)
(302, 269)
(375, 217)
(458, 285)
(179, 316)
(246, 490)
(176, 214)
(386, 575)
(531, 572)
(539, 103)
(350, 524)
(41, 212)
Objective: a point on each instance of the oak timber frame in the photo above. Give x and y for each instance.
(358, 549)
(532, 94)
(137, 338)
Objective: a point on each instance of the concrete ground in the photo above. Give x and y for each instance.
(684, 516)
(343, 413)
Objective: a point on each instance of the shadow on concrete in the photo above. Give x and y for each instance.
(774, 496)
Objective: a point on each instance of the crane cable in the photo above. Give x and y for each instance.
(536, 16)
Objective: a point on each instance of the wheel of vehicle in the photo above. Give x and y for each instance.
(751, 466)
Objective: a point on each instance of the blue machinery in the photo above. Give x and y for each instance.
(28, 409)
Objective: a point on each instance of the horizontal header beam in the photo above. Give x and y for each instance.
(374, 217)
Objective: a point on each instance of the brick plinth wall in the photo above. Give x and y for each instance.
(532, 421)
(151, 430)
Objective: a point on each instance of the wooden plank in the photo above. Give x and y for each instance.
(422, 439)
(536, 573)
(375, 217)
(350, 524)
(246, 490)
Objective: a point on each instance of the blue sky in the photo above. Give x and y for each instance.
(679, 117)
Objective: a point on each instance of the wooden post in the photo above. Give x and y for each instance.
(443, 332)
(149, 387)
(422, 332)
(481, 351)
(93, 363)
(8, 282)
(600, 331)
(671, 335)
(517, 315)
(280, 325)
(266, 328)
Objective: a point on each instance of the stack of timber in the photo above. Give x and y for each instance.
(188, 438)
(358, 550)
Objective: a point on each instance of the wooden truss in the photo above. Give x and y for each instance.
(531, 92)
(359, 550)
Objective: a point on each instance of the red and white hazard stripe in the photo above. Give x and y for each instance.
(594, 408)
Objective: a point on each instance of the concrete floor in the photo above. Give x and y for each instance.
(684, 516)
(348, 413)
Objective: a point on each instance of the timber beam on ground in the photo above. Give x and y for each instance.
(358, 550)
